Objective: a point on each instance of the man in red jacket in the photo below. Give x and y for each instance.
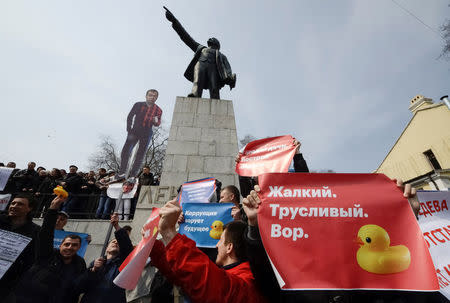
(231, 280)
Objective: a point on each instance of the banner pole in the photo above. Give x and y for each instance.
(116, 207)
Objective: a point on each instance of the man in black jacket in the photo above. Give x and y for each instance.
(55, 275)
(98, 282)
(72, 184)
(27, 180)
(146, 178)
(19, 220)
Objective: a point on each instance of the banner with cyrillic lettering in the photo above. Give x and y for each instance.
(204, 223)
(270, 155)
(59, 235)
(131, 268)
(342, 231)
(198, 191)
(434, 220)
(11, 246)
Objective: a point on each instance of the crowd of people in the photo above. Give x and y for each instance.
(87, 190)
(237, 270)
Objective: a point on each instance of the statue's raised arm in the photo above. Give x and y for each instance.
(187, 39)
(209, 69)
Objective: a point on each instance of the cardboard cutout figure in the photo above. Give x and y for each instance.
(142, 117)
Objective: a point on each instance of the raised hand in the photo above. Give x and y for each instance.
(57, 202)
(409, 192)
(169, 15)
(98, 263)
(169, 214)
(115, 221)
(251, 205)
(297, 144)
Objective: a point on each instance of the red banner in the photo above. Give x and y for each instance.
(131, 268)
(342, 231)
(270, 155)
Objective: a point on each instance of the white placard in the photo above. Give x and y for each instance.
(434, 220)
(11, 246)
(5, 172)
(4, 199)
(114, 190)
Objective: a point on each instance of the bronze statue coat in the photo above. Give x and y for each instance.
(222, 64)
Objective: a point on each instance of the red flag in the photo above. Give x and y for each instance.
(342, 231)
(270, 155)
(131, 268)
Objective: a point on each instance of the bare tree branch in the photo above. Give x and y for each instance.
(106, 155)
(247, 139)
(156, 152)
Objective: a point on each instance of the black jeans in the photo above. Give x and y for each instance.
(130, 143)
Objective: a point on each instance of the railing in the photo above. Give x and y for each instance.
(87, 205)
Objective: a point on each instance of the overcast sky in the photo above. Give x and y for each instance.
(338, 75)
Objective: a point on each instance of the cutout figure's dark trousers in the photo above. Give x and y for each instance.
(130, 143)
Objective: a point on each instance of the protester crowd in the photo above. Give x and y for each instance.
(87, 190)
(238, 270)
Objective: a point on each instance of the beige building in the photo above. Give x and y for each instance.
(421, 155)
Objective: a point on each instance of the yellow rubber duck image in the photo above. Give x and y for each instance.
(216, 229)
(60, 191)
(375, 254)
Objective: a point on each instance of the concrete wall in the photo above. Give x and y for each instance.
(202, 142)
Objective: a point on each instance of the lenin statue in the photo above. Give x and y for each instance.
(209, 69)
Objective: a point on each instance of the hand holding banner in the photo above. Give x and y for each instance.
(131, 268)
(342, 231)
(270, 155)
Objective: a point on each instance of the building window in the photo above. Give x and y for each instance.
(432, 159)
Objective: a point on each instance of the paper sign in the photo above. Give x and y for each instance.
(11, 246)
(270, 155)
(59, 235)
(198, 191)
(4, 200)
(204, 223)
(434, 220)
(131, 268)
(5, 173)
(342, 231)
(115, 189)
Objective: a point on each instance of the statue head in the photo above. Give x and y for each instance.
(213, 43)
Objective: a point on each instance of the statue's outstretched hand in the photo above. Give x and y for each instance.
(169, 15)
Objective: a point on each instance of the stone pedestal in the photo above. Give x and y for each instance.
(202, 142)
